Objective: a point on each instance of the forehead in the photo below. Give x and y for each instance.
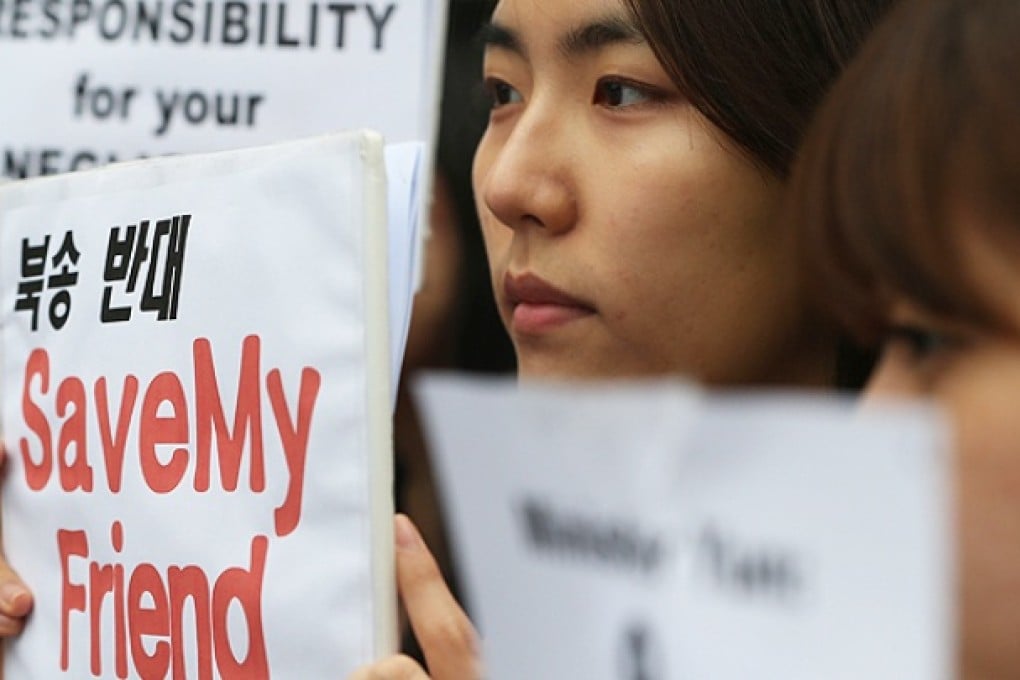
(536, 23)
(537, 11)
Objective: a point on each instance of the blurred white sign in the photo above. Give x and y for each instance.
(655, 533)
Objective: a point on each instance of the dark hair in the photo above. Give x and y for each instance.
(920, 136)
(757, 69)
(481, 343)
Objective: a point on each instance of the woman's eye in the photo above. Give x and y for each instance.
(501, 93)
(616, 93)
(922, 342)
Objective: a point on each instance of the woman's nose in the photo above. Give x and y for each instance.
(531, 179)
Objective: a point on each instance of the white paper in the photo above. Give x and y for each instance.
(283, 296)
(655, 532)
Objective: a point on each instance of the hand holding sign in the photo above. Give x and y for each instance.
(446, 635)
(15, 598)
(15, 601)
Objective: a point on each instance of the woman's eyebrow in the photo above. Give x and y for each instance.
(493, 34)
(589, 37)
(596, 35)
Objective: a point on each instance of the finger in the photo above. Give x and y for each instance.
(398, 667)
(10, 626)
(444, 631)
(15, 597)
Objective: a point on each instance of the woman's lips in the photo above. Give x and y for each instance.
(538, 306)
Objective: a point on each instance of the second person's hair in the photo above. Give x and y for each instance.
(757, 69)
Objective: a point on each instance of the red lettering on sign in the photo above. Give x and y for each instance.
(153, 605)
(165, 449)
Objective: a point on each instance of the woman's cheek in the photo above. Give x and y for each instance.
(981, 397)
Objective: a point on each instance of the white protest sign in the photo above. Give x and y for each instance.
(195, 408)
(653, 533)
(90, 81)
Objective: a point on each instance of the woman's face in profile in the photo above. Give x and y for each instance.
(974, 373)
(624, 236)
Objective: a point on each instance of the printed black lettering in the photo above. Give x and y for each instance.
(234, 23)
(166, 107)
(83, 159)
(21, 163)
(379, 23)
(18, 20)
(16, 167)
(132, 257)
(749, 570)
(100, 101)
(313, 26)
(41, 272)
(33, 270)
(145, 19)
(196, 108)
(600, 540)
(207, 33)
(641, 654)
(281, 31)
(340, 9)
(52, 18)
(48, 162)
(81, 12)
(112, 20)
(183, 19)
